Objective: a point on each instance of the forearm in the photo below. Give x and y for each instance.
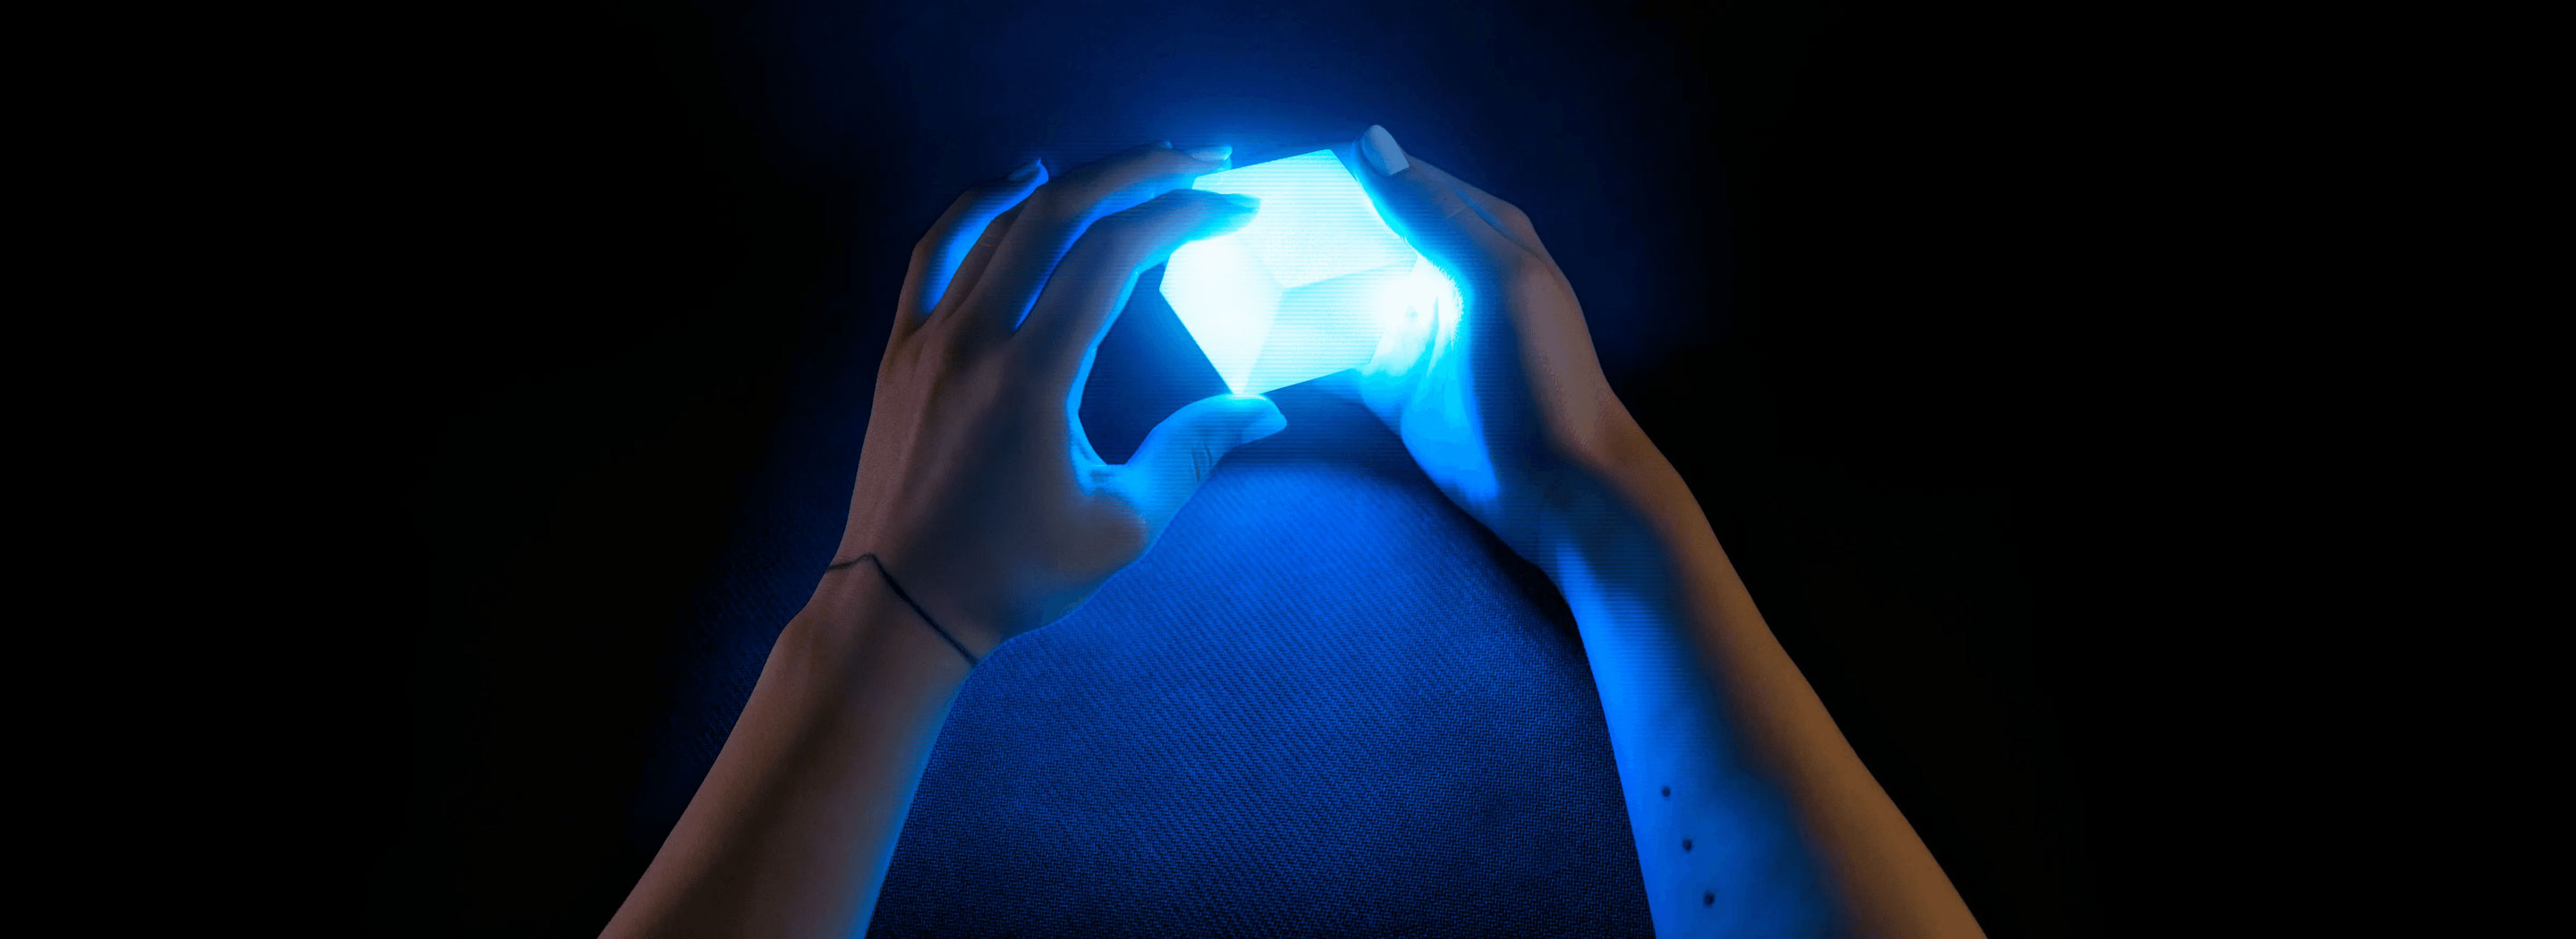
(1701, 699)
(791, 831)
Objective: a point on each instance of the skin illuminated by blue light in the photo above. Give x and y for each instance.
(1313, 285)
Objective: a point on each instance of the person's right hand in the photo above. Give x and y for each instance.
(1507, 409)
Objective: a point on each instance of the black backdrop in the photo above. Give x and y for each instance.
(1843, 262)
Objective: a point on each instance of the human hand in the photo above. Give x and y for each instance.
(1506, 408)
(977, 488)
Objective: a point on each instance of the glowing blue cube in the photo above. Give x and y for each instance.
(1314, 284)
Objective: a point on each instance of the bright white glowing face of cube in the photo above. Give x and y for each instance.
(1309, 287)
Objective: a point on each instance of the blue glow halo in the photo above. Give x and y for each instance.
(1316, 283)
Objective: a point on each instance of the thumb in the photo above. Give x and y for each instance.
(1182, 450)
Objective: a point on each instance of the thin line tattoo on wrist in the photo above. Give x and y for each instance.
(879, 564)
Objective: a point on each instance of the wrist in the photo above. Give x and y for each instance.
(1634, 515)
(924, 578)
(855, 614)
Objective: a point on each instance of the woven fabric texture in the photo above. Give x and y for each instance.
(1326, 703)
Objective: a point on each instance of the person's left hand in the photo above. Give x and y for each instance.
(977, 489)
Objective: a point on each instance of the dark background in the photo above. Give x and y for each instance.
(1847, 263)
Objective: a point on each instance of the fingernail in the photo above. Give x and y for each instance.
(1026, 173)
(1247, 202)
(1380, 149)
(1270, 423)
(1215, 154)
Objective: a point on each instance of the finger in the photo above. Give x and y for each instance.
(935, 259)
(971, 270)
(1181, 451)
(1059, 212)
(1093, 283)
(1505, 216)
(1434, 217)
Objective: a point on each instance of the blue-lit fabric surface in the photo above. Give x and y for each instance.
(1320, 706)
(1326, 703)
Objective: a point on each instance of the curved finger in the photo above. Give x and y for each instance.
(1056, 215)
(1093, 283)
(971, 270)
(938, 256)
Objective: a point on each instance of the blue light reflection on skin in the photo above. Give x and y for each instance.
(1318, 283)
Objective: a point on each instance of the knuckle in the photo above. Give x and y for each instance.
(1053, 202)
(949, 353)
(1523, 272)
(1499, 276)
(1115, 238)
(906, 351)
(993, 229)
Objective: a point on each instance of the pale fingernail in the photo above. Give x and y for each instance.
(1026, 173)
(1247, 202)
(1215, 154)
(1267, 424)
(1380, 149)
